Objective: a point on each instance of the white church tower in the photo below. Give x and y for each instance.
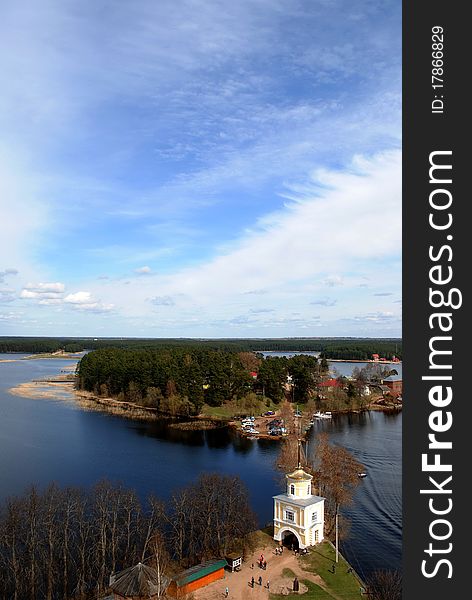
(299, 514)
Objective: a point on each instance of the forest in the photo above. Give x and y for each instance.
(181, 380)
(65, 543)
(341, 348)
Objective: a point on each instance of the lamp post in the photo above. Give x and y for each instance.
(337, 533)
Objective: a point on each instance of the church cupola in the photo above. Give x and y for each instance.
(299, 484)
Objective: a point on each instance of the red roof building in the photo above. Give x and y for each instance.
(330, 384)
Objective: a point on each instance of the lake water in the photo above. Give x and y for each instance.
(52, 440)
(339, 368)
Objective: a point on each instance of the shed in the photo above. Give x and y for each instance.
(196, 577)
(234, 561)
(136, 582)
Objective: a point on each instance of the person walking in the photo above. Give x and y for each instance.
(268, 584)
(260, 580)
(226, 592)
(252, 581)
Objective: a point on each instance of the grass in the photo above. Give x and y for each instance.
(315, 592)
(341, 585)
(263, 538)
(217, 412)
(229, 410)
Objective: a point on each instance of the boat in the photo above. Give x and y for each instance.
(320, 415)
(361, 475)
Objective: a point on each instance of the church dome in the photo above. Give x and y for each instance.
(299, 475)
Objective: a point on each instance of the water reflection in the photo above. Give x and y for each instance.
(43, 441)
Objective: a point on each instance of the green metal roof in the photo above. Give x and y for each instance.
(199, 571)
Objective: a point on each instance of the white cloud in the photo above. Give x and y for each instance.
(79, 298)
(333, 280)
(45, 292)
(143, 270)
(163, 301)
(7, 295)
(7, 272)
(342, 224)
(86, 302)
(324, 302)
(42, 288)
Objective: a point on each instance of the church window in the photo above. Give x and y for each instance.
(289, 516)
(314, 517)
(292, 490)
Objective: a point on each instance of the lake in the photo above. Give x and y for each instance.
(344, 368)
(52, 440)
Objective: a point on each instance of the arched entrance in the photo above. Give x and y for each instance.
(290, 539)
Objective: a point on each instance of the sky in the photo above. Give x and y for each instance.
(200, 168)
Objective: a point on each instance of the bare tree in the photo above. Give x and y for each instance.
(10, 545)
(336, 476)
(51, 530)
(385, 585)
(32, 540)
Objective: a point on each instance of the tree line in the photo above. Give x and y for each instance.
(39, 345)
(65, 543)
(181, 380)
(343, 348)
(166, 378)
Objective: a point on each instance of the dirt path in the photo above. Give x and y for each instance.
(239, 583)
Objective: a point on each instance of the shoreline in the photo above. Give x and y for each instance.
(61, 387)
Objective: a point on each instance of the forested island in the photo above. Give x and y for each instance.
(330, 348)
(182, 381)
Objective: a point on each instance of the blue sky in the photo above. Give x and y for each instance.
(200, 168)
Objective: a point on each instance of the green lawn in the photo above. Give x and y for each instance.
(231, 409)
(339, 585)
(217, 412)
(314, 591)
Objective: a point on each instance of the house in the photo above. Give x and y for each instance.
(375, 357)
(253, 374)
(299, 514)
(137, 582)
(329, 385)
(196, 577)
(395, 384)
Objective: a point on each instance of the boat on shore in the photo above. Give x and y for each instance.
(323, 415)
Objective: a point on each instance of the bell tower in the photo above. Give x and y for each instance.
(299, 513)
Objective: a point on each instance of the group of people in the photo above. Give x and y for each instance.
(262, 565)
(279, 550)
(261, 562)
(259, 581)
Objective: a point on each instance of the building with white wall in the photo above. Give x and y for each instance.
(299, 514)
